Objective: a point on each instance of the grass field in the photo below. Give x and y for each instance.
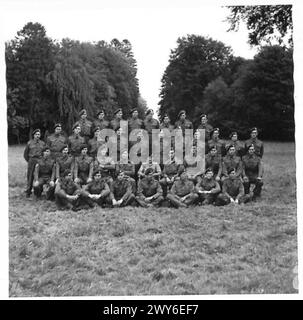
(134, 251)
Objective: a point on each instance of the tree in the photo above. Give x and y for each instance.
(265, 23)
(192, 65)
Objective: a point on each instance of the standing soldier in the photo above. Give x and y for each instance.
(207, 127)
(170, 172)
(56, 141)
(182, 123)
(214, 161)
(63, 162)
(232, 190)
(149, 164)
(208, 188)
(252, 172)
(231, 161)
(75, 141)
(121, 192)
(85, 125)
(115, 123)
(128, 168)
(182, 192)
(101, 122)
(149, 124)
(32, 153)
(95, 143)
(236, 143)
(149, 190)
(83, 167)
(166, 125)
(134, 122)
(258, 144)
(45, 175)
(68, 195)
(216, 141)
(97, 191)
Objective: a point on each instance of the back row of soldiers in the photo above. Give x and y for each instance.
(70, 172)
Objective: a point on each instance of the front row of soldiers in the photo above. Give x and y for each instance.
(84, 181)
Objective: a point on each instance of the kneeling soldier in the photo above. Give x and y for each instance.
(252, 172)
(83, 167)
(121, 191)
(45, 175)
(208, 188)
(97, 191)
(68, 193)
(149, 190)
(182, 193)
(232, 190)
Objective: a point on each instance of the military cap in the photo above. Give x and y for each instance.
(203, 115)
(232, 134)
(209, 170)
(97, 171)
(100, 111)
(181, 170)
(229, 146)
(97, 128)
(180, 113)
(230, 170)
(251, 145)
(148, 171)
(45, 148)
(36, 130)
(215, 129)
(253, 129)
(65, 146)
(76, 125)
(213, 147)
(118, 110)
(66, 172)
(82, 112)
(119, 172)
(57, 125)
(148, 111)
(165, 115)
(83, 146)
(133, 110)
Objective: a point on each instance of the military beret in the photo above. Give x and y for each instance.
(76, 125)
(133, 110)
(181, 112)
(216, 129)
(203, 115)
(213, 147)
(66, 172)
(181, 170)
(57, 125)
(83, 146)
(209, 170)
(119, 172)
(36, 130)
(100, 111)
(229, 146)
(45, 148)
(65, 146)
(148, 111)
(251, 145)
(97, 128)
(82, 112)
(230, 170)
(148, 171)
(165, 115)
(253, 129)
(232, 134)
(118, 110)
(96, 171)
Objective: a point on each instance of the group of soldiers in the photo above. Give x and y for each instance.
(78, 172)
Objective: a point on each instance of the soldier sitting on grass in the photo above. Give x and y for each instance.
(83, 167)
(149, 191)
(44, 175)
(183, 192)
(97, 191)
(208, 188)
(232, 190)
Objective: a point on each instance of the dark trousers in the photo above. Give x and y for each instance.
(30, 174)
(257, 189)
(100, 202)
(64, 203)
(155, 202)
(208, 198)
(223, 199)
(49, 191)
(191, 199)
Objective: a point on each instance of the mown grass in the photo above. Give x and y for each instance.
(131, 251)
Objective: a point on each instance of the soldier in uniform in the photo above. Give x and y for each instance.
(85, 125)
(166, 125)
(128, 168)
(258, 144)
(252, 172)
(63, 162)
(149, 124)
(214, 161)
(194, 172)
(95, 143)
(56, 141)
(68, 194)
(216, 141)
(45, 175)
(207, 127)
(149, 190)
(208, 188)
(134, 122)
(32, 153)
(183, 123)
(101, 122)
(231, 161)
(83, 167)
(115, 123)
(232, 190)
(149, 164)
(182, 192)
(170, 172)
(75, 141)
(236, 143)
(97, 191)
(121, 192)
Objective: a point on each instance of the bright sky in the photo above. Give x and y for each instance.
(152, 29)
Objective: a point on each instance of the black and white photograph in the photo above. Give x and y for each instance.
(151, 148)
